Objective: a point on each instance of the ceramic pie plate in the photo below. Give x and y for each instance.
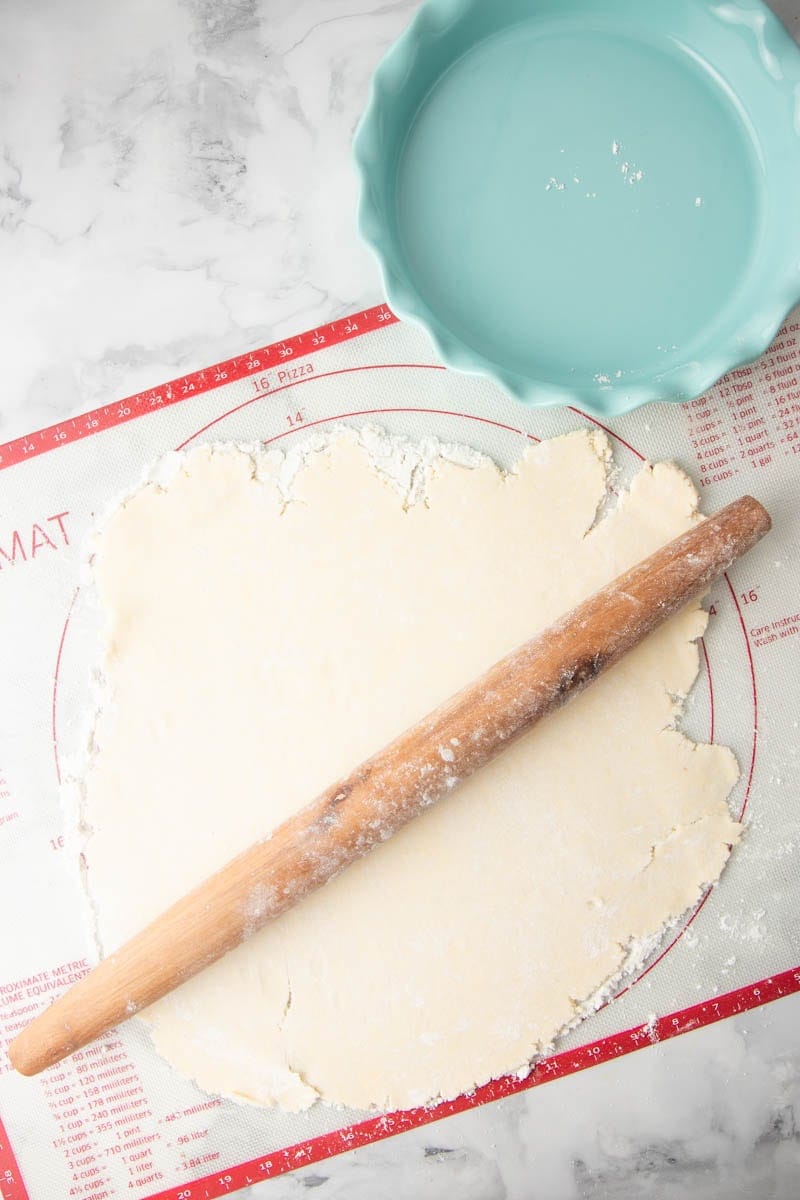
(595, 202)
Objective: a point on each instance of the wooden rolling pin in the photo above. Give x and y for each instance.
(390, 788)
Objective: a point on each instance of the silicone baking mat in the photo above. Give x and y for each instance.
(115, 1119)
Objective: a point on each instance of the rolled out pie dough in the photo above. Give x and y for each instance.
(272, 622)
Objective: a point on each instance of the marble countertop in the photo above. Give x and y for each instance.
(175, 188)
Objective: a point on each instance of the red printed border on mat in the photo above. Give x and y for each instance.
(11, 1185)
(76, 429)
(568, 1062)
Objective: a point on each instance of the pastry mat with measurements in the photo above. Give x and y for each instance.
(114, 1119)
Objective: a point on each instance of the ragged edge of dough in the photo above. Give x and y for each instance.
(637, 951)
(408, 466)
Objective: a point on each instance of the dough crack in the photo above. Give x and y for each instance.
(286, 1007)
(657, 848)
(303, 1079)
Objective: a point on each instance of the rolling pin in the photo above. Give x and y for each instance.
(390, 788)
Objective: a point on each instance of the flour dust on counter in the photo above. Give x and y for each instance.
(273, 620)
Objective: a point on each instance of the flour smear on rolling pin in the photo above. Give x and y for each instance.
(271, 621)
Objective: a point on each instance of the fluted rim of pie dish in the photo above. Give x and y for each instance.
(685, 381)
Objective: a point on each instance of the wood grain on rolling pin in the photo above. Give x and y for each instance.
(390, 788)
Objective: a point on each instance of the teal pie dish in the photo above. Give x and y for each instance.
(594, 202)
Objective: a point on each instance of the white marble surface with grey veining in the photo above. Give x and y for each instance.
(176, 187)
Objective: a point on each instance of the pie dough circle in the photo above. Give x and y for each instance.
(270, 623)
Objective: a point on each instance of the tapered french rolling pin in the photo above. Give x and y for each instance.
(390, 788)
